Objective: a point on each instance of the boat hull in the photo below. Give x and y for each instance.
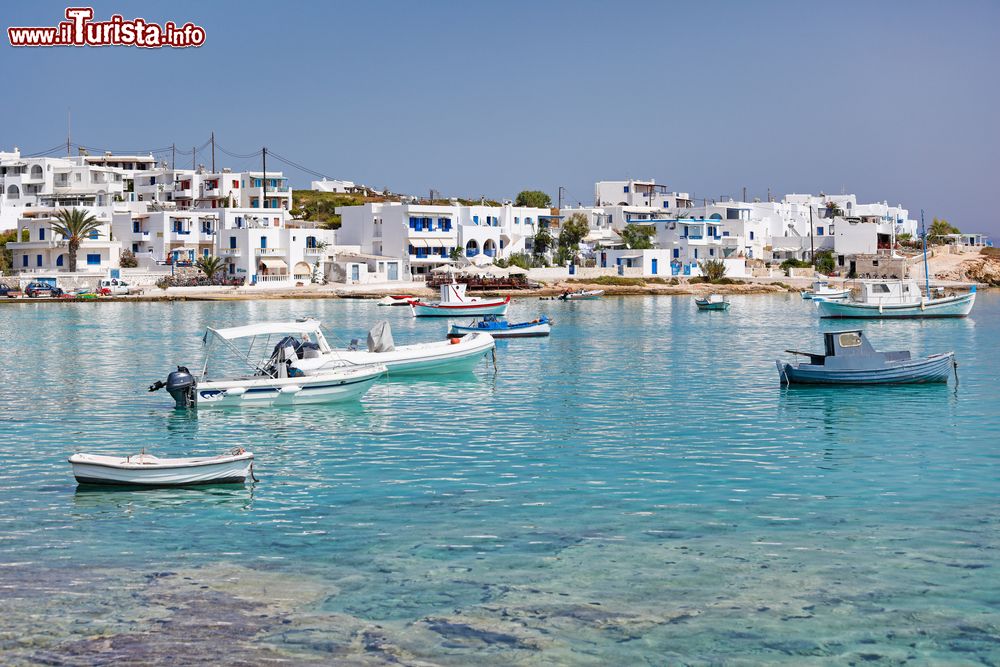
(434, 358)
(822, 296)
(472, 309)
(292, 391)
(532, 331)
(955, 306)
(227, 470)
(936, 368)
(591, 295)
(717, 305)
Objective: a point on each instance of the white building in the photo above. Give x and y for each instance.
(40, 250)
(426, 236)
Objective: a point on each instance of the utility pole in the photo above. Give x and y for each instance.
(263, 181)
(744, 193)
(173, 156)
(213, 151)
(69, 129)
(812, 251)
(194, 158)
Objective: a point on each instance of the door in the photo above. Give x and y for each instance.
(393, 273)
(355, 272)
(654, 266)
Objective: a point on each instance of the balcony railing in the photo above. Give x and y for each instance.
(269, 251)
(231, 252)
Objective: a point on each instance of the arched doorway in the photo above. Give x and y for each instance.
(471, 248)
(490, 248)
(13, 192)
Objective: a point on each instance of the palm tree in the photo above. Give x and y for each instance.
(74, 224)
(210, 265)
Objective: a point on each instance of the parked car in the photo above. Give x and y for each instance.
(10, 292)
(42, 290)
(113, 286)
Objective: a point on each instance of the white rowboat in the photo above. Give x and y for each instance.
(146, 470)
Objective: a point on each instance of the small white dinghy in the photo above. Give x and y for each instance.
(146, 470)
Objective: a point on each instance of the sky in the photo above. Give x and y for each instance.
(893, 101)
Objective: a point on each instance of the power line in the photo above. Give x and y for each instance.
(298, 166)
(238, 156)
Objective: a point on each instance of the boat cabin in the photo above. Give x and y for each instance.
(850, 350)
(453, 292)
(890, 292)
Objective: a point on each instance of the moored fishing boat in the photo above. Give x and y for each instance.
(898, 299)
(498, 328)
(582, 295)
(821, 289)
(455, 303)
(849, 359)
(712, 302)
(289, 375)
(146, 470)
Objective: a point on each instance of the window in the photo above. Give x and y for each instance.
(232, 242)
(711, 252)
(236, 184)
(135, 248)
(751, 236)
(94, 259)
(819, 231)
(135, 226)
(882, 288)
(41, 233)
(852, 339)
(93, 235)
(677, 253)
(38, 260)
(263, 241)
(696, 253)
(59, 260)
(24, 260)
(475, 219)
(626, 189)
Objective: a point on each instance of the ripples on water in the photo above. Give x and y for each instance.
(642, 459)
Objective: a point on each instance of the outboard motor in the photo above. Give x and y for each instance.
(180, 385)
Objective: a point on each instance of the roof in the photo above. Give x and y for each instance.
(267, 329)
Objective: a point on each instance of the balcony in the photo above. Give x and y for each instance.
(231, 252)
(315, 252)
(182, 193)
(266, 252)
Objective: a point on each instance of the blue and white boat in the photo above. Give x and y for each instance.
(898, 299)
(821, 289)
(849, 359)
(454, 303)
(492, 325)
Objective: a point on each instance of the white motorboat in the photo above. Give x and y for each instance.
(146, 470)
(821, 289)
(396, 300)
(448, 356)
(899, 299)
(582, 295)
(284, 377)
(455, 303)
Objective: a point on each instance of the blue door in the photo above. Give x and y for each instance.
(654, 266)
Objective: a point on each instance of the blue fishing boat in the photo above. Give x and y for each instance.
(712, 302)
(850, 359)
(498, 328)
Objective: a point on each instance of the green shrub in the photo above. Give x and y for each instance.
(697, 280)
(619, 281)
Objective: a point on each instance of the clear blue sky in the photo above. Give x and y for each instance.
(890, 100)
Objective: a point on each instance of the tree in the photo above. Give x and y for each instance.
(543, 240)
(833, 209)
(6, 256)
(455, 255)
(74, 224)
(712, 269)
(823, 261)
(574, 229)
(127, 260)
(210, 265)
(637, 237)
(938, 230)
(533, 198)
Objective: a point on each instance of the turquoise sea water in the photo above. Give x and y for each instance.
(636, 489)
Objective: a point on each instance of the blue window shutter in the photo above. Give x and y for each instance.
(59, 260)
(41, 234)
(94, 259)
(38, 260)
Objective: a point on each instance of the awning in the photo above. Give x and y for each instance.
(419, 243)
(635, 256)
(274, 264)
(267, 329)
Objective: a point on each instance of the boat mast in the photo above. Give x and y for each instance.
(927, 272)
(812, 250)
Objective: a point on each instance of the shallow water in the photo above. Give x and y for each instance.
(634, 489)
